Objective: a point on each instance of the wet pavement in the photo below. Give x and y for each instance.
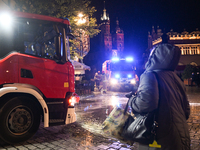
(86, 133)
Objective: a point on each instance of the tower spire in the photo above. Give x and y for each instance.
(117, 23)
(105, 16)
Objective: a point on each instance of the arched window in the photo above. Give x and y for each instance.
(189, 51)
(183, 50)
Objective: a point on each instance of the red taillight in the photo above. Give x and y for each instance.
(73, 99)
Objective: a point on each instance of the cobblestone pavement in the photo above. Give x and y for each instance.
(194, 127)
(69, 137)
(88, 136)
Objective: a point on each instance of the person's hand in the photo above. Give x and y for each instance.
(129, 95)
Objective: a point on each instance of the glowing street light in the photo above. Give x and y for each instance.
(81, 21)
(80, 15)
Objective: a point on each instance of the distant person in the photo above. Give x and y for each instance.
(193, 76)
(195, 79)
(97, 79)
(198, 79)
(168, 94)
(99, 73)
(104, 82)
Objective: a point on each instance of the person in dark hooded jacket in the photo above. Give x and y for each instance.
(173, 111)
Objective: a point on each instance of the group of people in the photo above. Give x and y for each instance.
(101, 80)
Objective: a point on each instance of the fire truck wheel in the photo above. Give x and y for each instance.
(20, 119)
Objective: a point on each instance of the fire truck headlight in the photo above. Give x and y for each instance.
(117, 76)
(115, 59)
(113, 81)
(133, 81)
(5, 20)
(129, 59)
(129, 76)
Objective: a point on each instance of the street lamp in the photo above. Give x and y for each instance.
(81, 21)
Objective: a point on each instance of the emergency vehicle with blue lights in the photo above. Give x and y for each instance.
(120, 73)
(36, 75)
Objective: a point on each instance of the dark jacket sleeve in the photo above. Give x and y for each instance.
(187, 107)
(187, 112)
(146, 99)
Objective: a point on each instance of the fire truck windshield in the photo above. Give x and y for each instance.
(121, 66)
(34, 37)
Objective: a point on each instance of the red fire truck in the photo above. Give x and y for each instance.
(36, 75)
(121, 74)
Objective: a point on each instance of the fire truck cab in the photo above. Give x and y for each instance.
(121, 74)
(36, 75)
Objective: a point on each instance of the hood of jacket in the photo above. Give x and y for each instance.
(163, 57)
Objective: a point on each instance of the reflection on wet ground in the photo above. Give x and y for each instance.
(99, 107)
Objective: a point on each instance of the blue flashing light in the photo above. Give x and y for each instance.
(117, 76)
(129, 76)
(129, 59)
(115, 59)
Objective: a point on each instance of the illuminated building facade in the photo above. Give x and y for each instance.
(118, 38)
(106, 44)
(189, 43)
(111, 44)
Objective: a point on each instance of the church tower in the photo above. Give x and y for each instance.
(111, 44)
(118, 40)
(105, 35)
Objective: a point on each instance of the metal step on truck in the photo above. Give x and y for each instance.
(36, 75)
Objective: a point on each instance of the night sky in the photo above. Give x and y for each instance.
(136, 18)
